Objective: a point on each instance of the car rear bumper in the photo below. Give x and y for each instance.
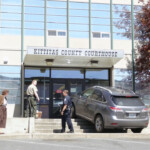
(127, 123)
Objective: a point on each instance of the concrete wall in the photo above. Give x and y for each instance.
(13, 110)
(17, 125)
(10, 47)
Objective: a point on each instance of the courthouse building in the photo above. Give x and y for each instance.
(64, 44)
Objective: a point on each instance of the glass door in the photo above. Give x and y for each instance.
(75, 87)
(42, 76)
(57, 97)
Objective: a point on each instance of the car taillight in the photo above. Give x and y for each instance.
(115, 109)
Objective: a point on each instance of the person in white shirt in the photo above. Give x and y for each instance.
(3, 109)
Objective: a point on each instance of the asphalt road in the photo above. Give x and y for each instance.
(76, 144)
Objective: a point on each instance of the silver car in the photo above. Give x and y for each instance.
(112, 108)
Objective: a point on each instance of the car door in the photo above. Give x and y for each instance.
(96, 102)
(81, 103)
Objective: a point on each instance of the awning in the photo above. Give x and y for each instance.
(66, 57)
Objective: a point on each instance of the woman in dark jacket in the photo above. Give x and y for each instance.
(3, 109)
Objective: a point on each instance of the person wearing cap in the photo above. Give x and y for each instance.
(66, 113)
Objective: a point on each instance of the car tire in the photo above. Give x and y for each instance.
(73, 112)
(99, 124)
(137, 130)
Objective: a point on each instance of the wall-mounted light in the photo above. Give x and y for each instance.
(42, 70)
(49, 62)
(94, 62)
(5, 60)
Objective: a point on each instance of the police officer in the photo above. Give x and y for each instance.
(66, 113)
(32, 95)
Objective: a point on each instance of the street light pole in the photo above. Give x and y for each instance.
(133, 50)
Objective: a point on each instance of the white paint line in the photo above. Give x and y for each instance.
(48, 144)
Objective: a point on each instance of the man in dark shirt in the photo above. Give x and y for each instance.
(66, 113)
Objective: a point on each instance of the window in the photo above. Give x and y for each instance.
(67, 73)
(61, 33)
(87, 93)
(52, 32)
(105, 35)
(124, 101)
(97, 95)
(10, 79)
(102, 74)
(96, 34)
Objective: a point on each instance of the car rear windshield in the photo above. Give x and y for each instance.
(127, 101)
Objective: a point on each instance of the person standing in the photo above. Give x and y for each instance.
(66, 113)
(3, 109)
(32, 95)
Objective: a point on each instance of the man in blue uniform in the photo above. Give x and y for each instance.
(66, 113)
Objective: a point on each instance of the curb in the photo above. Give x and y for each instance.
(54, 136)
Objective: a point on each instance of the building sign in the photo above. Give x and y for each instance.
(74, 52)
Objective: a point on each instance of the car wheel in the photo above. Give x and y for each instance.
(138, 130)
(99, 124)
(73, 112)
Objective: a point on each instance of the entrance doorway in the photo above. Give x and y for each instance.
(52, 82)
(58, 85)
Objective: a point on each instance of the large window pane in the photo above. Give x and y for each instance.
(90, 83)
(10, 16)
(33, 25)
(101, 28)
(34, 10)
(11, 24)
(75, 5)
(33, 72)
(34, 33)
(67, 73)
(56, 19)
(34, 3)
(76, 34)
(96, 6)
(11, 9)
(31, 17)
(11, 2)
(102, 74)
(8, 69)
(54, 11)
(57, 4)
(56, 26)
(10, 79)
(104, 14)
(79, 27)
(81, 20)
(123, 78)
(79, 13)
(100, 21)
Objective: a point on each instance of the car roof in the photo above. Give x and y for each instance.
(117, 91)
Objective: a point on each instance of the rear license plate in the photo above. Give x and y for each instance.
(132, 115)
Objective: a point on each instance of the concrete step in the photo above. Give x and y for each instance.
(54, 126)
(58, 130)
(57, 120)
(59, 123)
(59, 127)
